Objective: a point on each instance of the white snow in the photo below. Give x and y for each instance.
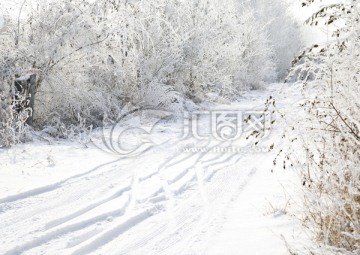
(63, 198)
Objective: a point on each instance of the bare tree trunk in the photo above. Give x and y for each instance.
(32, 92)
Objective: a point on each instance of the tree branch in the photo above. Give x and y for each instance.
(79, 49)
(344, 121)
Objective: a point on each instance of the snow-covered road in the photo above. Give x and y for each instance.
(61, 199)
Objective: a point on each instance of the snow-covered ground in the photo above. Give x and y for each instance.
(61, 197)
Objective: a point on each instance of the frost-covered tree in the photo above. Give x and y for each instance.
(53, 39)
(283, 33)
(331, 138)
(94, 57)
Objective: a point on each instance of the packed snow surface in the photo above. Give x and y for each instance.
(62, 197)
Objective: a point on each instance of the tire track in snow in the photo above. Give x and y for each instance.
(74, 227)
(49, 188)
(56, 199)
(219, 162)
(54, 207)
(180, 216)
(187, 212)
(178, 191)
(80, 225)
(47, 237)
(113, 233)
(86, 209)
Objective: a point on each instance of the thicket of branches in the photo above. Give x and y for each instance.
(330, 133)
(93, 58)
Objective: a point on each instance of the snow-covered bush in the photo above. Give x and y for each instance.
(196, 47)
(94, 57)
(226, 49)
(13, 127)
(7, 132)
(330, 134)
(40, 41)
(283, 33)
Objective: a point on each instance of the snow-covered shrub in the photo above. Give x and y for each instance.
(93, 58)
(330, 134)
(7, 132)
(283, 34)
(205, 46)
(13, 127)
(57, 128)
(173, 102)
